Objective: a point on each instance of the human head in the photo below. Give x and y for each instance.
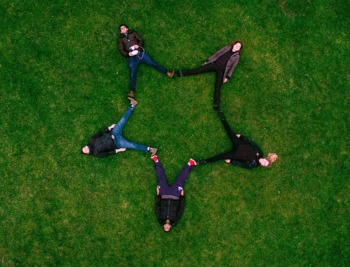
(237, 46)
(167, 226)
(85, 150)
(269, 160)
(123, 28)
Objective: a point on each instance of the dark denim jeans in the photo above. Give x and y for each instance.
(134, 62)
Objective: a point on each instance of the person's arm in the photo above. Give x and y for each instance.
(246, 165)
(101, 154)
(232, 67)
(121, 48)
(100, 133)
(157, 208)
(138, 38)
(218, 157)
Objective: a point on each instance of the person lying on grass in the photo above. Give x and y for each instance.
(223, 63)
(170, 200)
(244, 153)
(110, 141)
(130, 45)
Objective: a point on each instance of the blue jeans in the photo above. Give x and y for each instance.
(134, 62)
(117, 131)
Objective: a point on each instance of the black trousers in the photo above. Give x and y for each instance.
(212, 67)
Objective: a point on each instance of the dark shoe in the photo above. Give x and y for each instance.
(170, 74)
(131, 94)
(178, 73)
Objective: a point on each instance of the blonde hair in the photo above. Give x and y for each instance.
(271, 157)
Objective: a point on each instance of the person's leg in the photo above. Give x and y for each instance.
(146, 59)
(133, 63)
(118, 129)
(120, 141)
(161, 177)
(232, 135)
(202, 69)
(218, 84)
(177, 186)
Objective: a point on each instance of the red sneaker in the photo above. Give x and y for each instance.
(192, 162)
(154, 158)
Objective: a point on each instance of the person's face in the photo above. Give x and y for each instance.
(167, 226)
(123, 29)
(264, 162)
(85, 150)
(236, 47)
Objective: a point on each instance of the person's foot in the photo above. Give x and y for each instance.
(192, 162)
(178, 73)
(216, 106)
(153, 151)
(131, 94)
(133, 102)
(155, 158)
(170, 74)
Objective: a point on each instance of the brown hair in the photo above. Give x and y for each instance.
(238, 41)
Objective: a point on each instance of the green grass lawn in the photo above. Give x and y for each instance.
(62, 79)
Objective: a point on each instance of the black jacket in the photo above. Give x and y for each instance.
(171, 209)
(102, 144)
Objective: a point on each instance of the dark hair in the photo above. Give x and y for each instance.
(238, 41)
(123, 25)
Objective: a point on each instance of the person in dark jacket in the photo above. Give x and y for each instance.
(244, 153)
(110, 141)
(131, 46)
(170, 200)
(223, 63)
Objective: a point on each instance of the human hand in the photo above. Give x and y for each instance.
(238, 135)
(122, 149)
(225, 80)
(111, 127)
(182, 192)
(157, 190)
(227, 160)
(136, 46)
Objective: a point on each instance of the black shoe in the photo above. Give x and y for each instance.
(178, 73)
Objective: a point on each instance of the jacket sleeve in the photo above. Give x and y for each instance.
(157, 208)
(246, 165)
(218, 157)
(121, 48)
(102, 154)
(139, 39)
(232, 66)
(100, 133)
(180, 209)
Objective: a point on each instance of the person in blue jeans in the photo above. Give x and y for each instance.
(110, 140)
(131, 46)
(170, 199)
